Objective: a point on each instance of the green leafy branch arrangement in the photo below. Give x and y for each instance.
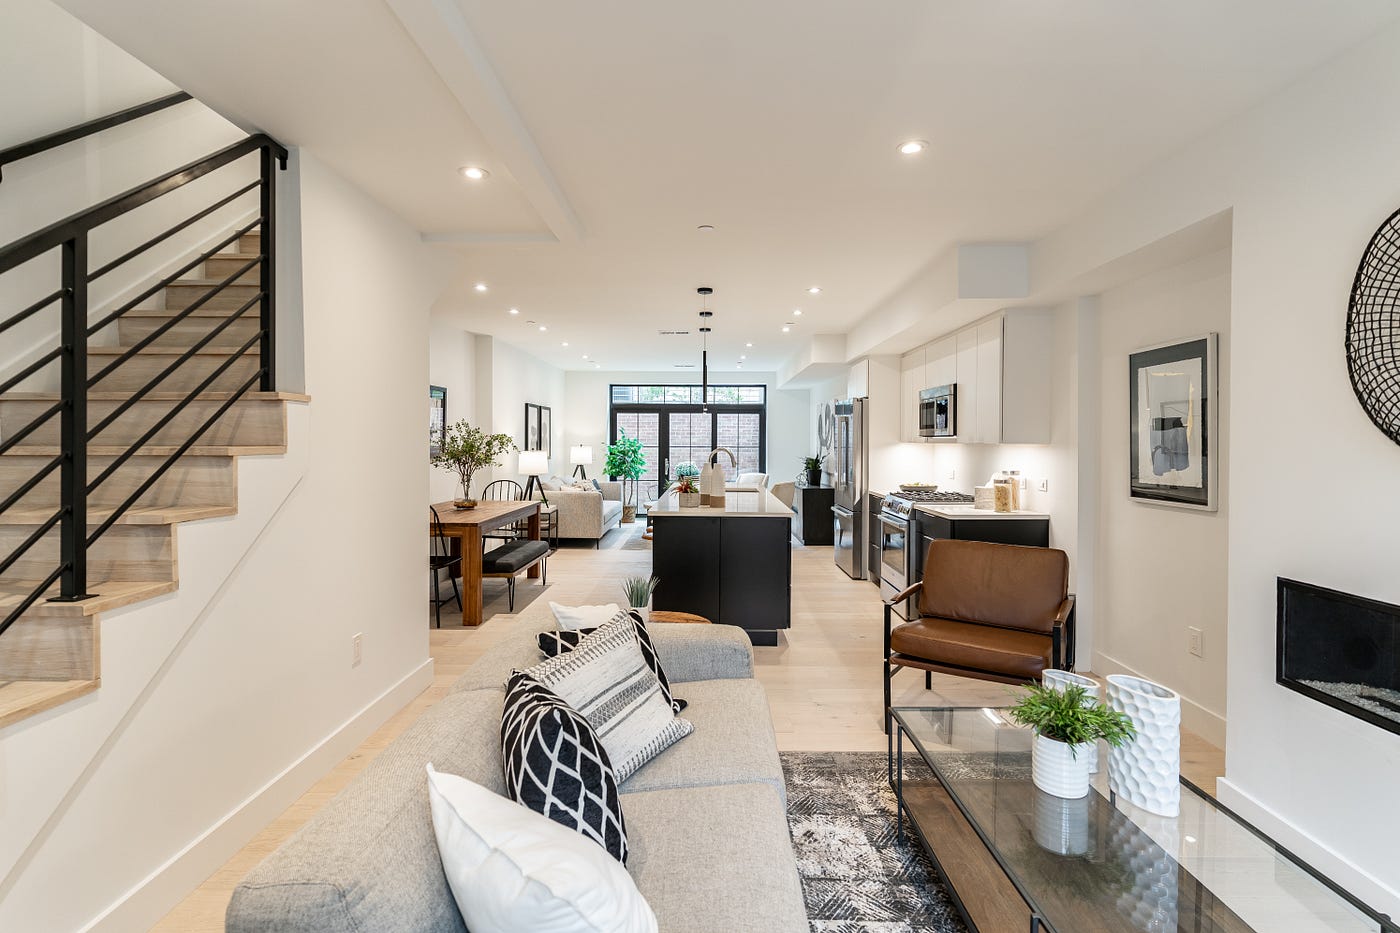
(1062, 715)
(469, 449)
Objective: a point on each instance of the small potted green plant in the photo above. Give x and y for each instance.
(813, 466)
(638, 591)
(688, 492)
(687, 468)
(467, 451)
(1066, 727)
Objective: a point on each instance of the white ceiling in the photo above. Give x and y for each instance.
(613, 129)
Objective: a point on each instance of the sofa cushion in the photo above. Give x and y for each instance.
(556, 765)
(1002, 584)
(612, 511)
(733, 743)
(715, 858)
(967, 644)
(368, 860)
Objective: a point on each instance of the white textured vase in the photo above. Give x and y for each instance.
(1062, 679)
(1060, 769)
(1146, 771)
(1061, 826)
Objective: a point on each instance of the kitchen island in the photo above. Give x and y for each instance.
(732, 565)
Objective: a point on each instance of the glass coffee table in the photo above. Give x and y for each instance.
(1017, 859)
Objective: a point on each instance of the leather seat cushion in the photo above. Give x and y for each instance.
(513, 556)
(967, 644)
(1000, 584)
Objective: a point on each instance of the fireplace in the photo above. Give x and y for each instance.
(1342, 650)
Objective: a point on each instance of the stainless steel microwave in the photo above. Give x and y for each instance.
(938, 411)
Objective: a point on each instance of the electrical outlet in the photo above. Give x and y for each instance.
(952, 474)
(1044, 485)
(1194, 641)
(357, 644)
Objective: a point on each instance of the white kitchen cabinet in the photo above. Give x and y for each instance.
(967, 371)
(858, 380)
(989, 375)
(941, 362)
(911, 383)
(1027, 360)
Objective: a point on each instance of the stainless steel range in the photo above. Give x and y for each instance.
(898, 535)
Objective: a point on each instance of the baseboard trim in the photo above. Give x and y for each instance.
(1206, 723)
(1322, 857)
(155, 895)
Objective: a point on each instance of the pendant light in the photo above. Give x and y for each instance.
(705, 314)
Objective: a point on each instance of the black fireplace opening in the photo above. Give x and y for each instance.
(1340, 649)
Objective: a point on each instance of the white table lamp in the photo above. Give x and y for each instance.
(534, 464)
(581, 455)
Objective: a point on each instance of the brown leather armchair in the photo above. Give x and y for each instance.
(996, 612)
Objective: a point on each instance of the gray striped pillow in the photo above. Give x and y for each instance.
(607, 679)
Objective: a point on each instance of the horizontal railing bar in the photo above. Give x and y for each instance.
(88, 127)
(152, 289)
(30, 483)
(32, 309)
(41, 241)
(156, 334)
(131, 254)
(31, 599)
(146, 389)
(208, 381)
(29, 428)
(30, 541)
(173, 458)
(30, 370)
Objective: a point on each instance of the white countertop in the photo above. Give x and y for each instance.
(738, 502)
(953, 511)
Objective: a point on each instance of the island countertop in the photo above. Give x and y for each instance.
(744, 501)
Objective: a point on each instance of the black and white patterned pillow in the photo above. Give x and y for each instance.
(556, 765)
(553, 644)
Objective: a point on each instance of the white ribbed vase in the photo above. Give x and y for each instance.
(1146, 771)
(1060, 769)
(1062, 679)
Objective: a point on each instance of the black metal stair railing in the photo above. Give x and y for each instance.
(71, 237)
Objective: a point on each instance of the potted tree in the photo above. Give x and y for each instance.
(627, 462)
(813, 466)
(1065, 729)
(688, 492)
(467, 450)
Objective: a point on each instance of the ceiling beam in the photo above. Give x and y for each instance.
(450, 46)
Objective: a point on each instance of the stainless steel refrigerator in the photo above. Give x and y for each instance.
(848, 449)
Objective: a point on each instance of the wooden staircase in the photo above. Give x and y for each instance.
(52, 653)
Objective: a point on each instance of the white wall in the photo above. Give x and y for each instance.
(516, 378)
(55, 72)
(789, 433)
(452, 365)
(257, 697)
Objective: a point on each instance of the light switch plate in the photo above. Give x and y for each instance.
(1195, 641)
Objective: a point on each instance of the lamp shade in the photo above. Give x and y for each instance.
(534, 463)
(581, 455)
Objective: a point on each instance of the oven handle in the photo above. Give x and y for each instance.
(900, 526)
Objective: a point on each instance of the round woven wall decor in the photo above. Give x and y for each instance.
(1373, 329)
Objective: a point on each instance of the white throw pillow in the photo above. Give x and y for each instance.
(571, 618)
(512, 870)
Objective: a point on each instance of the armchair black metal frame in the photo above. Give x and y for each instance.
(1061, 649)
(439, 559)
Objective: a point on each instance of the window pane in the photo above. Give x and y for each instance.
(739, 431)
(623, 395)
(646, 427)
(689, 437)
(649, 394)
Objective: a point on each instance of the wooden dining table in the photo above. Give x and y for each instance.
(467, 526)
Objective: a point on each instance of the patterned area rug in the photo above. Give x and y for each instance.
(858, 876)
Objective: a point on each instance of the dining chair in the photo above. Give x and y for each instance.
(503, 490)
(440, 558)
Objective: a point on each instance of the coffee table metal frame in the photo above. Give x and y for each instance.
(1384, 924)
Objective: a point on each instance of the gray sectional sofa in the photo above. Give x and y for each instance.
(706, 820)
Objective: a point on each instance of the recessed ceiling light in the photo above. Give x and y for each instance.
(543, 328)
(564, 344)
(748, 344)
(787, 327)
(585, 356)
(480, 286)
(475, 173)
(514, 310)
(529, 323)
(814, 290)
(597, 365)
(912, 147)
(706, 228)
(743, 356)
(796, 312)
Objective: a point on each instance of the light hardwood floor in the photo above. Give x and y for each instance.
(823, 685)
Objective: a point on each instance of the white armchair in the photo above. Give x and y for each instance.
(751, 480)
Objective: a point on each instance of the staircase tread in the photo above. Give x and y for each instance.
(158, 396)
(108, 595)
(96, 450)
(205, 283)
(20, 699)
(137, 515)
(199, 313)
(163, 350)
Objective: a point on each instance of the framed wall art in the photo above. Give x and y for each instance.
(437, 419)
(538, 428)
(1173, 421)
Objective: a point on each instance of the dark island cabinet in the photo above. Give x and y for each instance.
(815, 524)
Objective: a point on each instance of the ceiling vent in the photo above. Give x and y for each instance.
(674, 333)
(684, 365)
